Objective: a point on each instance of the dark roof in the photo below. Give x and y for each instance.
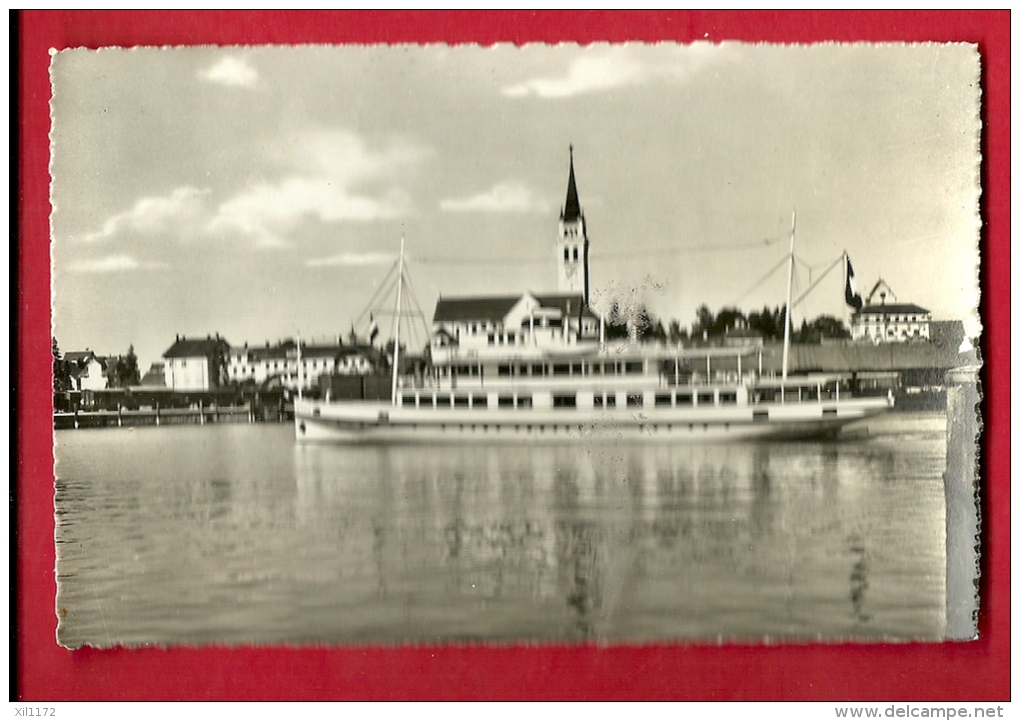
(322, 351)
(570, 304)
(893, 308)
(493, 307)
(195, 347)
(572, 206)
(155, 376)
(80, 356)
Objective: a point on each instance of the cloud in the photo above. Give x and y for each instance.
(351, 259)
(331, 177)
(111, 264)
(231, 71)
(614, 68)
(336, 178)
(152, 215)
(501, 198)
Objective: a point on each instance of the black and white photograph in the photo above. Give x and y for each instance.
(449, 344)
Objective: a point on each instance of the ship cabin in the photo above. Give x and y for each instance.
(629, 379)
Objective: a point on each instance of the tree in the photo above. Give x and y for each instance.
(728, 319)
(61, 370)
(127, 369)
(122, 371)
(824, 326)
(704, 323)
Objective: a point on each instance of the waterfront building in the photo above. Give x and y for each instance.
(192, 364)
(155, 377)
(86, 370)
(891, 323)
(281, 364)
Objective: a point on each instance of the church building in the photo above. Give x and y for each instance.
(529, 324)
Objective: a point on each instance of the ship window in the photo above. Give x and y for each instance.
(635, 400)
(555, 322)
(460, 401)
(511, 338)
(566, 254)
(575, 252)
(443, 400)
(561, 369)
(408, 400)
(537, 370)
(504, 370)
(564, 400)
(506, 401)
(524, 401)
(522, 370)
(610, 400)
(663, 399)
(633, 367)
(684, 399)
(727, 397)
(596, 369)
(597, 400)
(480, 401)
(706, 399)
(577, 369)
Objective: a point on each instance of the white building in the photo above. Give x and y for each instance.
(524, 326)
(891, 323)
(87, 370)
(192, 364)
(281, 363)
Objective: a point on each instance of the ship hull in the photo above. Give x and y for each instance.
(382, 423)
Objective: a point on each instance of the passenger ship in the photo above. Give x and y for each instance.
(583, 397)
(537, 367)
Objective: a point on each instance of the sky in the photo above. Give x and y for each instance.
(262, 192)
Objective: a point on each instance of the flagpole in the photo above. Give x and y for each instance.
(789, 294)
(396, 334)
(300, 368)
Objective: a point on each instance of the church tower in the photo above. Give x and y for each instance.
(572, 247)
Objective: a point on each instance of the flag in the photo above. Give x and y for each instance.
(373, 330)
(853, 298)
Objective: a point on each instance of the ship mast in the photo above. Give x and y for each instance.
(396, 334)
(789, 294)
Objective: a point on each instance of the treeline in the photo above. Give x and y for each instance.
(768, 323)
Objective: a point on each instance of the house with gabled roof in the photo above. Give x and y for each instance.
(86, 370)
(527, 325)
(882, 322)
(196, 364)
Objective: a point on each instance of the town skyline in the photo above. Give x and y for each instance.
(261, 193)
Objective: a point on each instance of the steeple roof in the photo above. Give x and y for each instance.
(572, 206)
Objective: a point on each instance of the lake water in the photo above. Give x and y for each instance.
(234, 534)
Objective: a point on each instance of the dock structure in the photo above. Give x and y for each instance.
(154, 416)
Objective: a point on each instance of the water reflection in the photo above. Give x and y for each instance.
(591, 534)
(239, 536)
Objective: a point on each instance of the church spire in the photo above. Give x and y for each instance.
(572, 207)
(572, 248)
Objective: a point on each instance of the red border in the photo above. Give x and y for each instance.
(970, 671)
